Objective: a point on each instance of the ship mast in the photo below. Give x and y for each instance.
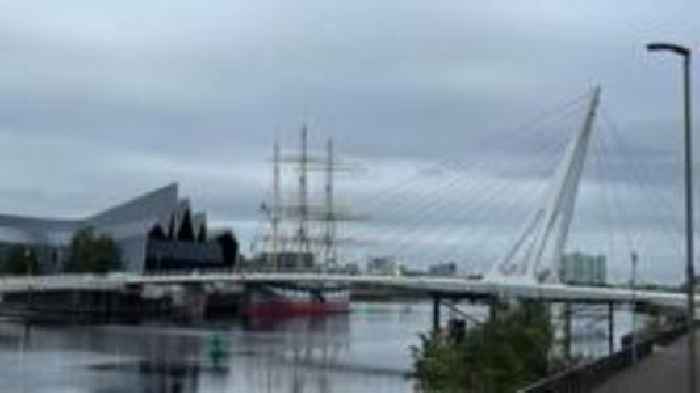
(275, 203)
(330, 216)
(318, 250)
(303, 198)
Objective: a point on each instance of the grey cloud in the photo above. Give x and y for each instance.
(99, 102)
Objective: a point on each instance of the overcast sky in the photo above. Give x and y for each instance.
(102, 101)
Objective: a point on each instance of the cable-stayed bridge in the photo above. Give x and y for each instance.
(528, 269)
(437, 286)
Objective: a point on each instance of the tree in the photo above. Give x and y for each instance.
(20, 260)
(93, 254)
(157, 233)
(501, 355)
(229, 247)
(202, 234)
(186, 232)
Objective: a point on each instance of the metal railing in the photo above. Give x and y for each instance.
(584, 378)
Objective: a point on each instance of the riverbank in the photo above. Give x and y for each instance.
(91, 306)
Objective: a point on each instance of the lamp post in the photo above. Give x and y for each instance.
(690, 273)
(633, 283)
(28, 265)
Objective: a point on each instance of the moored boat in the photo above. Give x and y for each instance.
(302, 239)
(276, 301)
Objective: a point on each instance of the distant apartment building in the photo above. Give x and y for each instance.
(352, 269)
(583, 269)
(383, 266)
(443, 269)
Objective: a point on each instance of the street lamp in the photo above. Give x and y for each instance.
(28, 266)
(690, 274)
(633, 284)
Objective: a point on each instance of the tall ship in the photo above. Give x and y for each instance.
(300, 237)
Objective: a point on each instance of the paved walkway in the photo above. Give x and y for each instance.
(666, 371)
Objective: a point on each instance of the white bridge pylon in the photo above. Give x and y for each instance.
(536, 255)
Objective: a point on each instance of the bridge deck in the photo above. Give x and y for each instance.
(664, 371)
(446, 287)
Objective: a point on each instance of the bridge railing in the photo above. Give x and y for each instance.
(584, 378)
(38, 282)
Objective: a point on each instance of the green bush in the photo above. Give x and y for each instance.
(500, 355)
(20, 260)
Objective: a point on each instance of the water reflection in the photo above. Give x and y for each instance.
(366, 350)
(301, 354)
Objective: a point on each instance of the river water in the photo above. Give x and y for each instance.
(364, 351)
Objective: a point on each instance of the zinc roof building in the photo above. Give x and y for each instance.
(156, 230)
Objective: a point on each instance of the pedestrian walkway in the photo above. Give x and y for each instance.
(666, 370)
